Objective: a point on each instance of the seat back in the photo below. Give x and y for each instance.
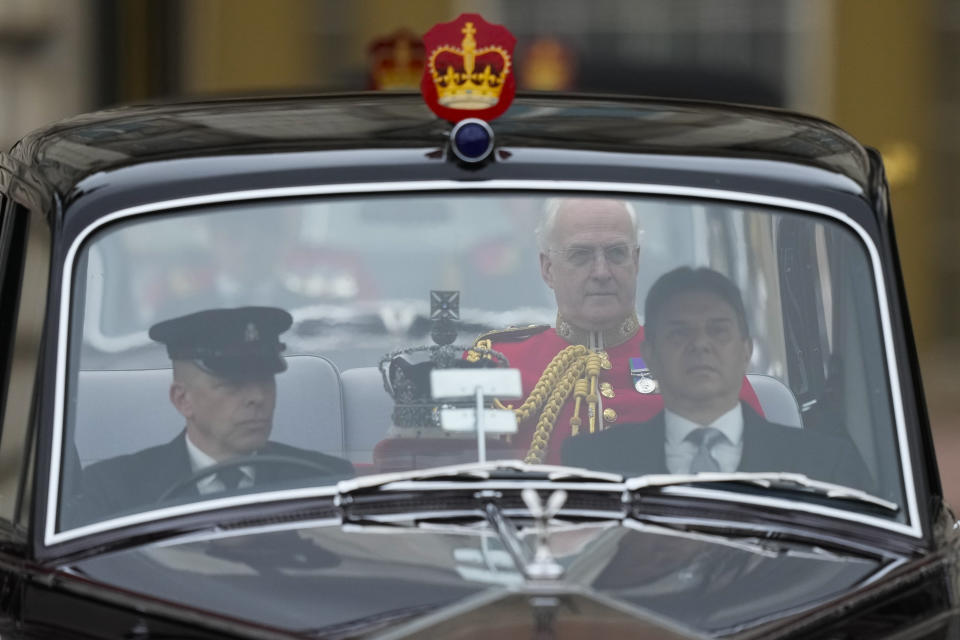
(119, 412)
(368, 408)
(778, 402)
(367, 412)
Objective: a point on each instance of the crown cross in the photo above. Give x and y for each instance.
(469, 48)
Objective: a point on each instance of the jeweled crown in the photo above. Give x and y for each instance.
(466, 77)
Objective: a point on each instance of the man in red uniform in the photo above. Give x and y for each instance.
(586, 373)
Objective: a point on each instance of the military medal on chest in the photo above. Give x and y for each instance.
(643, 380)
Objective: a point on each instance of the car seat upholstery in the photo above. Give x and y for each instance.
(119, 412)
(367, 410)
(778, 402)
(399, 453)
(344, 414)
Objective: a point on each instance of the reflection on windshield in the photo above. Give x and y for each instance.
(292, 343)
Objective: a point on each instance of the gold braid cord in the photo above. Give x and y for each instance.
(550, 392)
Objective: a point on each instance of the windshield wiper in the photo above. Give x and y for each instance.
(794, 482)
(478, 472)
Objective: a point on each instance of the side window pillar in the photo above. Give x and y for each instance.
(24, 271)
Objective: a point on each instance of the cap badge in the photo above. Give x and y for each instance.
(468, 71)
(251, 334)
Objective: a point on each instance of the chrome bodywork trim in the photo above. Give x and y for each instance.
(195, 507)
(688, 491)
(51, 536)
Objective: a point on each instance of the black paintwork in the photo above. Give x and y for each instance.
(338, 582)
(65, 153)
(325, 578)
(662, 573)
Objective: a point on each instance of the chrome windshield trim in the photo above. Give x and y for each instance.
(194, 507)
(546, 485)
(760, 479)
(222, 534)
(688, 491)
(912, 528)
(477, 471)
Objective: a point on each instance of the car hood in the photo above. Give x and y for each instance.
(337, 580)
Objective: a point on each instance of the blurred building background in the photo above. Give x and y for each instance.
(888, 71)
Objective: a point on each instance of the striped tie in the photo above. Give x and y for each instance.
(704, 438)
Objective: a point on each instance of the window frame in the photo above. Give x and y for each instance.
(24, 277)
(839, 212)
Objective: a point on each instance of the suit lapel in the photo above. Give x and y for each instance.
(659, 449)
(760, 448)
(179, 457)
(170, 464)
(272, 473)
(645, 445)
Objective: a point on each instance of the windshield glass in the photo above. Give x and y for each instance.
(250, 347)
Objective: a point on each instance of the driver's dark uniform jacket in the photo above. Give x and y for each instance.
(230, 344)
(140, 479)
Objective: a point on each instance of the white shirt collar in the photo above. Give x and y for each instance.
(199, 459)
(679, 452)
(729, 424)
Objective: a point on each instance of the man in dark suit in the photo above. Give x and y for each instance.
(224, 363)
(698, 346)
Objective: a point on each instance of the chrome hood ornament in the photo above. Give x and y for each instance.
(543, 566)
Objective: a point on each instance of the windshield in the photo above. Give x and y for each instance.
(247, 347)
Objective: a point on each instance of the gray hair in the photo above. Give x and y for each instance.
(548, 220)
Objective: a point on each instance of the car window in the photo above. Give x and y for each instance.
(365, 280)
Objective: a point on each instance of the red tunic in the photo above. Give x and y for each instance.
(531, 356)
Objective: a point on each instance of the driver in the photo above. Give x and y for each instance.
(224, 363)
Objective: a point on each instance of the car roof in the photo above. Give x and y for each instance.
(57, 158)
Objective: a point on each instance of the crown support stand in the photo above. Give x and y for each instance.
(460, 384)
(481, 435)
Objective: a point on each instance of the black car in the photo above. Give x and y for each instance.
(403, 266)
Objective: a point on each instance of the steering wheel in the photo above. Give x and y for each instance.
(181, 485)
